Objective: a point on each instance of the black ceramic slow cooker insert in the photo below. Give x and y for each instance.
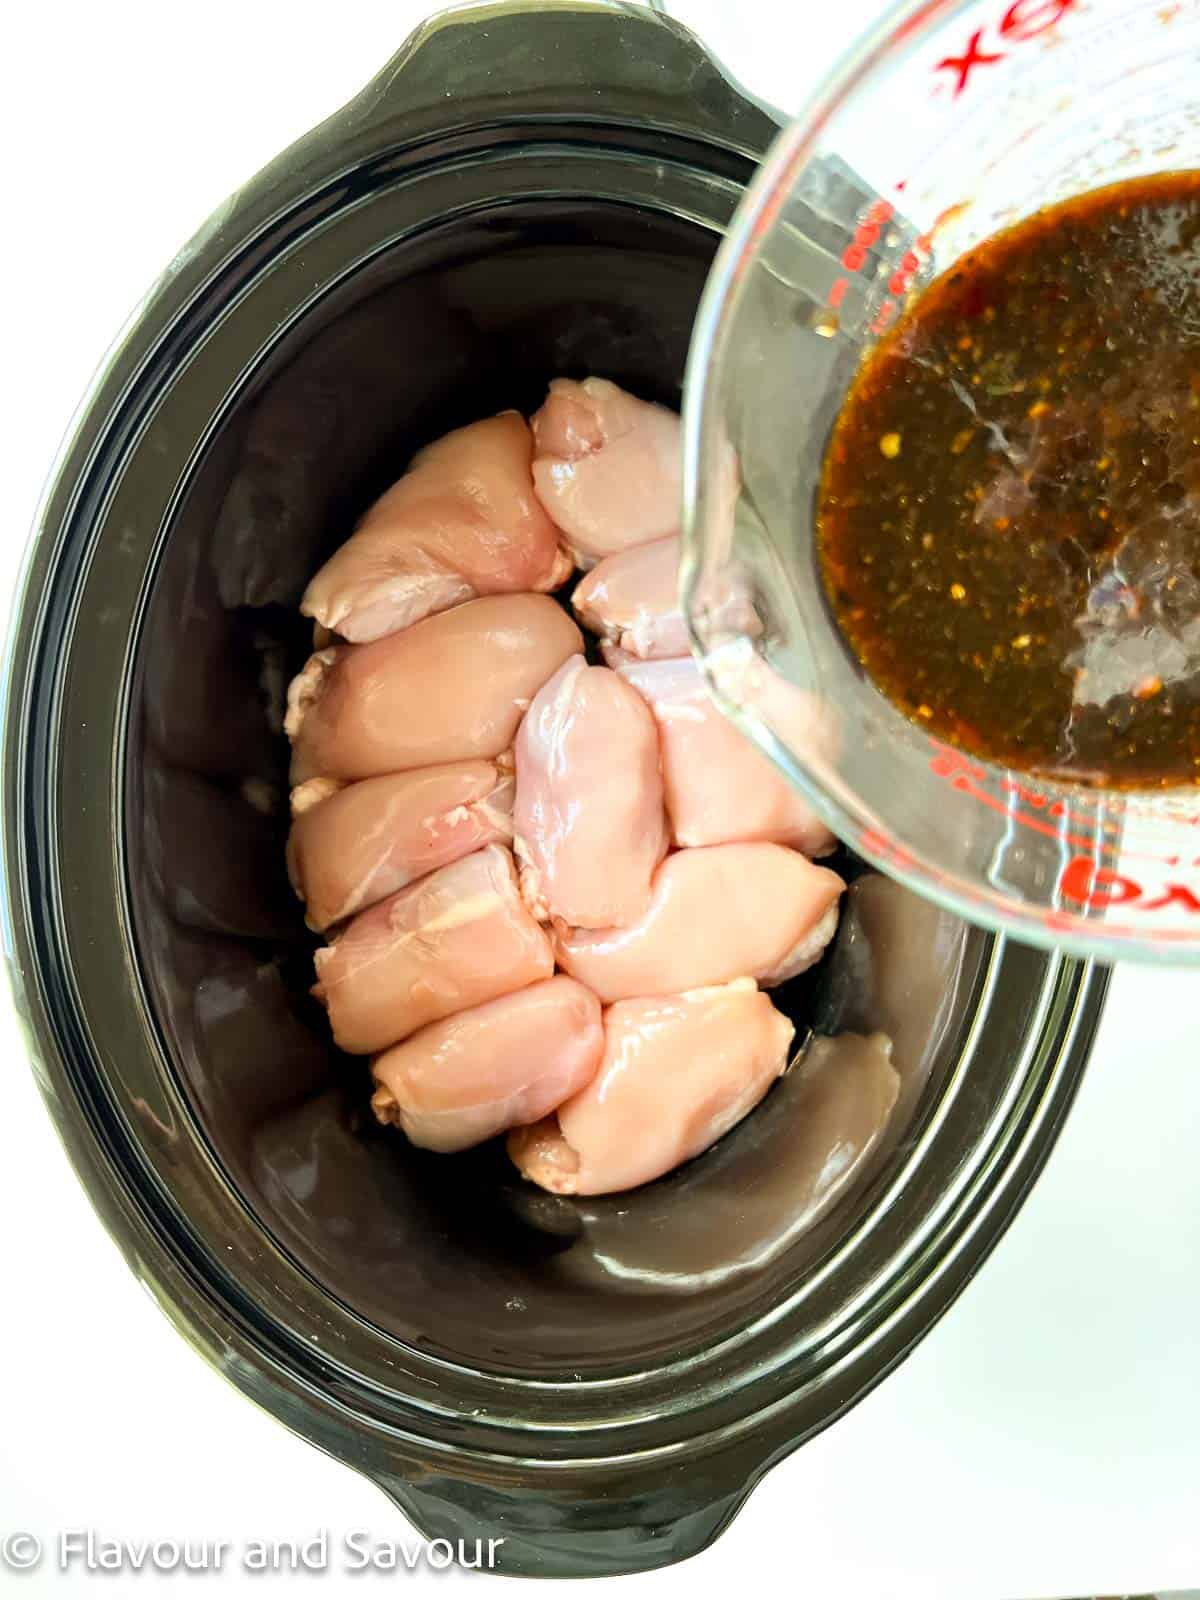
(520, 193)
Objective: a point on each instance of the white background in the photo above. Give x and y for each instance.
(1044, 1440)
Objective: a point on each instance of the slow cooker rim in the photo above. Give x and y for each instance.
(527, 1383)
(626, 1379)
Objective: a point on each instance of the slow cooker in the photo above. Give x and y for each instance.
(521, 192)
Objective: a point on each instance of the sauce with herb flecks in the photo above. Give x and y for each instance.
(1009, 514)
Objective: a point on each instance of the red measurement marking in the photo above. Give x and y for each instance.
(965, 64)
(1175, 894)
(854, 257)
(1024, 20)
(1033, 798)
(866, 235)
(969, 779)
(910, 263)
(886, 848)
(1083, 881)
(952, 763)
(1089, 885)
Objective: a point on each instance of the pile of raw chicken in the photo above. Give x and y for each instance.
(555, 892)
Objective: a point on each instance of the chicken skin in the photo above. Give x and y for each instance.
(588, 818)
(728, 911)
(354, 844)
(472, 1075)
(678, 1072)
(459, 937)
(607, 467)
(463, 521)
(451, 688)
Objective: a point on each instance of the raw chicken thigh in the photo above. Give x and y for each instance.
(493, 1067)
(719, 786)
(588, 819)
(818, 1135)
(607, 467)
(677, 1073)
(729, 911)
(351, 845)
(451, 688)
(799, 718)
(632, 600)
(457, 938)
(462, 521)
(448, 711)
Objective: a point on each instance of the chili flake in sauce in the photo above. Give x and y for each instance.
(1009, 513)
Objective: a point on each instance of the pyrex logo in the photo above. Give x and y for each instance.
(1024, 20)
(1083, 883)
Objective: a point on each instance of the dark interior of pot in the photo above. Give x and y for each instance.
(456, 1254)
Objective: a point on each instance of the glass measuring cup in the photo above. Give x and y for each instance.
(950, 121)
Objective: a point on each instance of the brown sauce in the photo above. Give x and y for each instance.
(1009, 515)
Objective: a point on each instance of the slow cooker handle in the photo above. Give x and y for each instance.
(601, 60)
(628, 1522)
